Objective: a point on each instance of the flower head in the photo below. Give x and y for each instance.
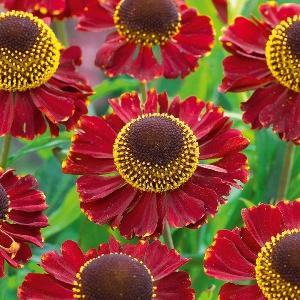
(47, 8)
(130, 272)
(145, 165)
(38, 82)
(150, 38)
(266, 251)
(265, 57)
(21, 218)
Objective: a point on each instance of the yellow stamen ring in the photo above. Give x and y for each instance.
(283, 53)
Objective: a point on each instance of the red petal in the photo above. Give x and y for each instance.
(41, 286)
(96, 17)
(128, 107)
(57, 108)
(176, 62)
(95, 138)
(190, 110)
(145, 67)
(229, 258)
(230, 291)
(151, 103)
(7, 112)
(115, 55)
(196, 34)
(176, 286)
(290, 212)
(161, 261)
(183, 209)
(282, 113)
(247, 36)
(263, 222)
(142, 219)
(65, 267)
(28, 120)
(105, 209)
(222, 8)
(274, 14)
(92, 187)
(243, 74)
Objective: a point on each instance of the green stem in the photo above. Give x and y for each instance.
(168, 236)
(5, 150)
(144, 90)
(60, 30)
(286, 171)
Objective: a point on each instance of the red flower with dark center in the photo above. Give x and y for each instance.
(111, 272)
(265, 251)
(21, 218)
(265, 57)
(38, 81)
(147, 164)
(149, 38)
(47, 8)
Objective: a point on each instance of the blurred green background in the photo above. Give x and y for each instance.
(41, 158)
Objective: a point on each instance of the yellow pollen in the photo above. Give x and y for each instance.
(283, 53)
(29, 52)
(147, 22)
(277, 272)
(156, 153)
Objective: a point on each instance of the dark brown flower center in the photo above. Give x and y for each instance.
(4, 203)
(286, 258)
(156, 152)
(115, 277)
(293, 38)
(18, 34)
(29, 51)
(278, 266)
(147, 21)
(156, 140)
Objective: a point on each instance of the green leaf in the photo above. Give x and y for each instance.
(67, 213)
(40, 143)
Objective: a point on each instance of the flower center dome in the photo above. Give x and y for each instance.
(29, 52)
(147, 22)
(156, 152)
(114, 277)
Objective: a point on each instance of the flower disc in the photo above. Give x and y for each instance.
(114, 277)
(278, 266)
(29, 51)
(283, 53)
(156, 152)
(147, 22)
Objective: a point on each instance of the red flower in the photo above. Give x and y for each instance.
(151, 153)
(149, 38)
(265, 251)
(21, 217)
(265, 57)
(38, 82)
(48, 8)
(144, 271)
(222, 9)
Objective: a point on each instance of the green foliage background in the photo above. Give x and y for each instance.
(265, 155)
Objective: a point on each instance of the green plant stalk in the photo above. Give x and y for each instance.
(60, 30)
(144, 91)
(286, 171)
(5, 150)
(167, 235)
